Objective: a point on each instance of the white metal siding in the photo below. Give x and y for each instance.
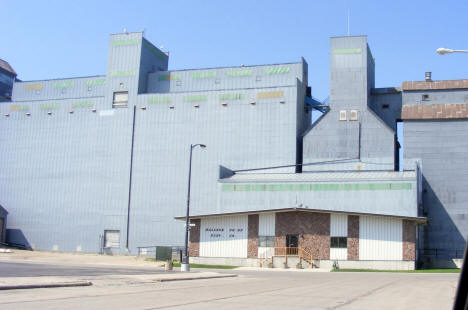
(266, 224)
(380, 238)
(339, 253)
(224, 236)
(338, 225)
(265, 252)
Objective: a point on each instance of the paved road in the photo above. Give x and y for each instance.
(250, 290)
(26, 269)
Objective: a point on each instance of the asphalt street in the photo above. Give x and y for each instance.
(27, 269)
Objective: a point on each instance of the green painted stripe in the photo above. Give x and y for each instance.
(239, 73)
(342, 51)
(316, 187)
(277, 70)
(63, 84)
(125, 42)
(82, 104)
(96, 82)
(160, 100)
(49, 106)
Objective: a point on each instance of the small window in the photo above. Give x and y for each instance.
(178, 83)
(120, 99)
(385, 106)
(266, 241)
(425, 97)
(343, 115)
(258, 78)
(338, 242)
(217, 81)
(353, 115)
(38, 92)
(112, 238)
(64, 90)
(90, 88)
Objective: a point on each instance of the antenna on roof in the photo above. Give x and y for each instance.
(124, 30)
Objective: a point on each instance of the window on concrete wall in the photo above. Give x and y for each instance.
(111, 238)
(266, 241)
(120, 99)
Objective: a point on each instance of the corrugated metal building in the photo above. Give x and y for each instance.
(101, 162)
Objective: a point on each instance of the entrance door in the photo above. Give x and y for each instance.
(292, 243)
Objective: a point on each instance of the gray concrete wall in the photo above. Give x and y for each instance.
(442, 147)
(65, 176)
(369, 138)
(452, 96)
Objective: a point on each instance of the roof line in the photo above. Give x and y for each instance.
(69, 78)
(235, 67)
(298, 209)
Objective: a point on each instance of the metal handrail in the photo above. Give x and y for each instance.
(293, 251)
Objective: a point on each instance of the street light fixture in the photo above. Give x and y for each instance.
(185, 264)
(443, 51)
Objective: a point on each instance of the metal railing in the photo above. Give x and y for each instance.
(303, 254)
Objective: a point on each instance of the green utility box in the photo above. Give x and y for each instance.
(163, 253)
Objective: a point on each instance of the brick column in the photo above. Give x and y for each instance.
(252, 243)
(409, 240)
(353, 237)
(194, 241)
(313, 230)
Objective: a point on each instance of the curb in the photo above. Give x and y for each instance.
(46, 285)
(196, 278)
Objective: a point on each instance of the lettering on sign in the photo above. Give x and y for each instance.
(36, 86)
(19, 108)
(271, 94)
(216, 232)
(204, 75)
(277, 70)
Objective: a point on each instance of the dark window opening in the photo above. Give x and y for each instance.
(425, 97)
(338, 242)
(385, 106)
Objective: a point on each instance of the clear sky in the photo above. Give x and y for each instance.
(53, 39)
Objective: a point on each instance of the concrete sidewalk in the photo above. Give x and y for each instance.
(10, 283)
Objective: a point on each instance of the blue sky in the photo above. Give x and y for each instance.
(52, 39)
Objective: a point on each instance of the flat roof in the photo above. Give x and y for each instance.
(318, 176)
(418, 219)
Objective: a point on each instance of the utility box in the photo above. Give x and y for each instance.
(163, 253)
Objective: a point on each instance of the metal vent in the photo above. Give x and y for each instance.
(343, 115)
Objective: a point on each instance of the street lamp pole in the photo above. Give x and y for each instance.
(185, 264)
(443, 51)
